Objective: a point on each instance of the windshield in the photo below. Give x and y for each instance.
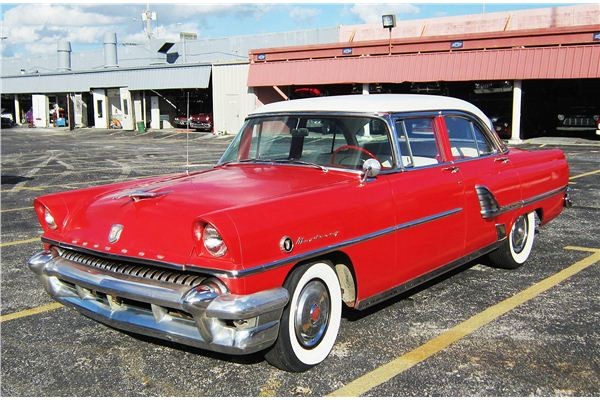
(328, 141)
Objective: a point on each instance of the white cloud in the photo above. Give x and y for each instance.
(303, 14)
(371, 13)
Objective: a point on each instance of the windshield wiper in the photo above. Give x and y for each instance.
(245, 160)
(301, 162)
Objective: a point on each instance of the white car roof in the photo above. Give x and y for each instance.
(373, 103)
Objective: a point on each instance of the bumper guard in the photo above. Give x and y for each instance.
(194, 316)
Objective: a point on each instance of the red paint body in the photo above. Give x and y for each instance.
(255, 206)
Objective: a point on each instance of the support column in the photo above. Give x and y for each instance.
(516, 113)
(101, 117)
(41, 109)
(17, 111)
(365, 89)
(154, 113)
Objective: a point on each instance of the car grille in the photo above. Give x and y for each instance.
(579, 121)
(133, 269)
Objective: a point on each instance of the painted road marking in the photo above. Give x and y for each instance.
(18, 242)
(585, 174)
(408, 360)
(17, 209)
(31, 311)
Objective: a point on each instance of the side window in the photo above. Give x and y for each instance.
(484, 144)
(466, 139)
(417, 142)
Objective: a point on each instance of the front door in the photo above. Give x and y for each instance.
(429, 201)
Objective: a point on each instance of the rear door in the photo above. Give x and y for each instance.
(428, 195)
(485, 165)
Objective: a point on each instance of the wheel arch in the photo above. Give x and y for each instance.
(344, 269)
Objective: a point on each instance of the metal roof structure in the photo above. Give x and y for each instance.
(141, 66)
(158, 77)
(565, 53)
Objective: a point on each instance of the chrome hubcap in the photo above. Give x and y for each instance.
(519, 233)
(312, 314)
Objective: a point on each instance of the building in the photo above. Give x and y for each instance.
(538, 69)
(533, 71)
(151, 83)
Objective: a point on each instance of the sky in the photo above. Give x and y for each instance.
(29, 28)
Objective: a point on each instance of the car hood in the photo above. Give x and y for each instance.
(157, 216)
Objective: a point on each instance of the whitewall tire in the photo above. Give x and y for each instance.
(311, 320)
(518, 245)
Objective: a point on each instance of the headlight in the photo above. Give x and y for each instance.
(561, 117)
(49, 219)
(597, 118)
(213, 242)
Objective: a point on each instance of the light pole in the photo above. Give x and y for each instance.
(389, 22)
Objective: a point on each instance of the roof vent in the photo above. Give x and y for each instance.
(64, 55)
(110, 50)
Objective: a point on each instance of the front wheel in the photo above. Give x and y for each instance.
(311, 320)
(516, 249)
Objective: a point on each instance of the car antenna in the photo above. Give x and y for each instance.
(187, 136)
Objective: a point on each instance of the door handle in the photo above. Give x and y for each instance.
(503, 160)
(453, 169)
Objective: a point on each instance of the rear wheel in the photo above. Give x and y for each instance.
(311, 320)
(516, 249)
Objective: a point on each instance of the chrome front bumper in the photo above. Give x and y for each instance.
(225, 323)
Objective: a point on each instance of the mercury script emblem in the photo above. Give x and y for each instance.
(115, 233)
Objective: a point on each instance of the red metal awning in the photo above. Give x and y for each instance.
(566, 62)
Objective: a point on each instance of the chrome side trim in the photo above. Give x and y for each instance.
(346, 243)
(491, 209)
(268, 266)
(378, 298)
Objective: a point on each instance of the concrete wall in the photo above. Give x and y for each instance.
(232, 100)
(586, 14)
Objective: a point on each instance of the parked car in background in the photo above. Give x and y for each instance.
(7, 119)
(316, 202)
(579, 118)
(6, 122)
(502, 126)
(201, 121)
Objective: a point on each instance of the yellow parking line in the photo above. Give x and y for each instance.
(18, 189)
(395, 367)
(31, 311)
(17, 209)
(16, 242)
(585, 174)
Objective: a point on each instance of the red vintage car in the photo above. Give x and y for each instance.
(316, 202)
(202, 121)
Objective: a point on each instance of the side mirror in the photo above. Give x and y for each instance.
(371, 169)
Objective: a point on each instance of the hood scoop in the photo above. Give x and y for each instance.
(138, 195)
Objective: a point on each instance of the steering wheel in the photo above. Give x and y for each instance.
(351, 147)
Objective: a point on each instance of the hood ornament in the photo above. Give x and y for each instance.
(115, 233)
(138, 195)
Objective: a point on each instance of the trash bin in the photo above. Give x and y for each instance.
(141, 127)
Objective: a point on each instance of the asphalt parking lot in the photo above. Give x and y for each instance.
(476, 332)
